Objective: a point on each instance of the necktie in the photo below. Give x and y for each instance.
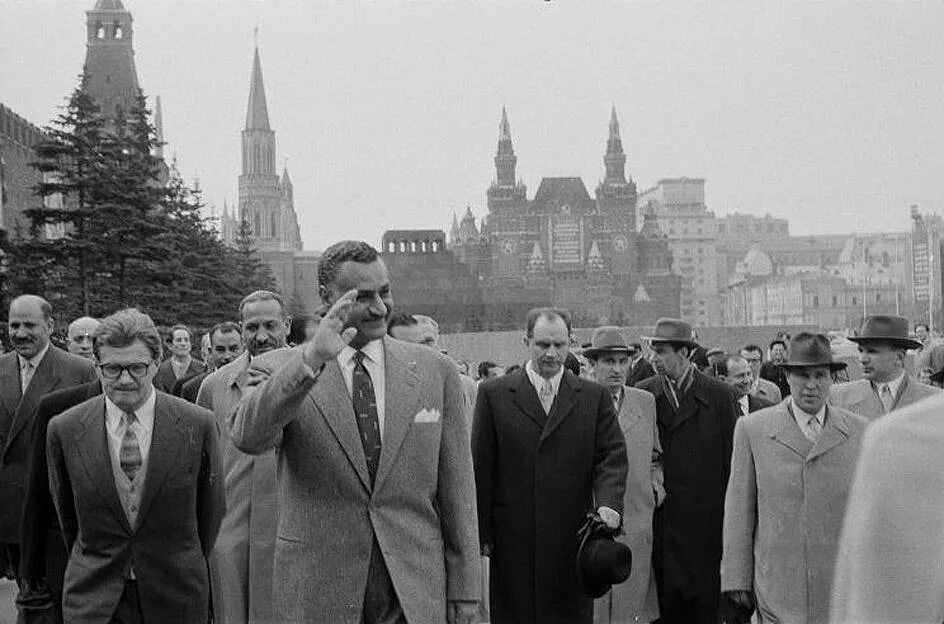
(888, 401)
(813, 429)
(745, 407)
(365, 411)
(616, 401)
(26, 375)
(129, 456)
(547, 396)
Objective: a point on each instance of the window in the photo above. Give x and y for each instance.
(815, 301)
(835, 301)
(855, 301)
(878, 297)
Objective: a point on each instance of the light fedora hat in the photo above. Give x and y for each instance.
(671, 330)
(886, 328)
(607, 339)
(808, 350)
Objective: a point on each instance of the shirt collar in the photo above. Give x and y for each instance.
(373, 350)
(799, 413)
(745, 403)
(144, 412)
(537, 381)
(35, 360)
(894, 385)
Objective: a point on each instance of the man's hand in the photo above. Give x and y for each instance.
(331, 336)
(461, 611)
(610, 517)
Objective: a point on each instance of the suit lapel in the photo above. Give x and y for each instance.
(788, 433)
(629, 413)
(96, 458)
(331, 397)
(526, 398)
(401, 400)
(563, 404)
(690, 401)
(45, 378)
(167, 441)
(835, 432)
(9, 386)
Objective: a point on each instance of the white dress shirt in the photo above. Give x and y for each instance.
(745, 405)
(143, 427)
(538, 382)
(374, 363)
(893, 386)
(25, 375)
(803, 420)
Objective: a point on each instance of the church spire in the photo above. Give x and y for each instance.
(158, 128)
(505, 159)
(615, 159)
(109, 76)
(257, 113)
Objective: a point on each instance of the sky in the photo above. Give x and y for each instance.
(386, 113)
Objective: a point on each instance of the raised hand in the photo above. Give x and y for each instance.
(331, 336)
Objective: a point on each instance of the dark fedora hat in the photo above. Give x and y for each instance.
(886, 328)
(606, 339)
(807, 350)
(601, 562)
(671, 330)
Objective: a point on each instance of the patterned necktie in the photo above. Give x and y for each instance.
(813, 429)
(365, 411)
(888, 401)
(26, 375)
(547, 395)
(129, 457)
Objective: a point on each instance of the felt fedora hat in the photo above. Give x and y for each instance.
(601, 562)
(671, 330)
(807, 350)
(606, 339)
(886, 328)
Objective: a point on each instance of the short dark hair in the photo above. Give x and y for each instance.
(512, 368)
(549, 313)
(922, 324)
(401, 319)
(226, 327)
(777, 341)
(484, 367)
(261, 295)
(572, 364)
(753, 348)
(720, 369)
(180, 327)
(123, 328)
(337, 254)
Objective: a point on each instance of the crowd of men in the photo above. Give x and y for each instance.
(342, 468)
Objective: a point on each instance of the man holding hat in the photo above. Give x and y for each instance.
(791, 472)
(634, 600)
(695, 417)
(882, 342)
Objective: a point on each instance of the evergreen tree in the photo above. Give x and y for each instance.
(250, 272)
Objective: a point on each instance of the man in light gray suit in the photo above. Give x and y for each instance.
(377, 519)
(887, 386)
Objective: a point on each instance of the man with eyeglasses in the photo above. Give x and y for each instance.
(135, 478)
(762, 388)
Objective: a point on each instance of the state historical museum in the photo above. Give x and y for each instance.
(562, 248)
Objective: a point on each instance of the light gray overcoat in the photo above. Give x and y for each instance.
(784, 508)
(421, 508)
(636, 600)
(860, 397)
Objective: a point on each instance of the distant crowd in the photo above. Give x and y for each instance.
(342, 467)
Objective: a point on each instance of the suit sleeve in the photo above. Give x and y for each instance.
(485, 460)
(60, 485)
(728, 412)
(610, 463)
(656, 473)
(211, 498)
(455, 495)
(264, 414)
(740, 516)
(38, 508)
(890, 562)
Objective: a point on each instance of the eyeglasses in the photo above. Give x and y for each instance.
(113, 371)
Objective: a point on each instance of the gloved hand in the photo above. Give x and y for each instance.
(736, 607)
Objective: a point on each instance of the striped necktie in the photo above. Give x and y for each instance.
(129, 457)
(365, 411)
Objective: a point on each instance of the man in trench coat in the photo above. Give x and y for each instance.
(790, 477)
(695, 416)
(543, 459)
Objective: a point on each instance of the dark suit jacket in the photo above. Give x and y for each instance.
(165, 379)
(58, 369)
(640, 371)
(41, 537)
(755, 403)
(696, 460)
(536, 477)
(187, 388)
(181, 509)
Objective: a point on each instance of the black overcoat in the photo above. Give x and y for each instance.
(696, 460)
(536, 477)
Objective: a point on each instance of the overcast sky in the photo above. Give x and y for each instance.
(829, 114)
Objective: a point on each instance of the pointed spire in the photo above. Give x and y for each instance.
(158, 128)
(614, 159)
(225, 209)
(286, 181)
(505, 159)
(109, 5)
(504, 128)
(454, 230)
(614, 125)
(257, 113)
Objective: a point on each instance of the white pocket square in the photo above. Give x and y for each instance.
(427, 416)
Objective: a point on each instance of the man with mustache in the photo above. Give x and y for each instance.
(241, 561)
(32, 370)
(547, 449)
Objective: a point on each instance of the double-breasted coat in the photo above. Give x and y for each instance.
(696, 460)
(784, 509)
(635, 600)
(860, 397)
(537, 475)
(242, 558)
